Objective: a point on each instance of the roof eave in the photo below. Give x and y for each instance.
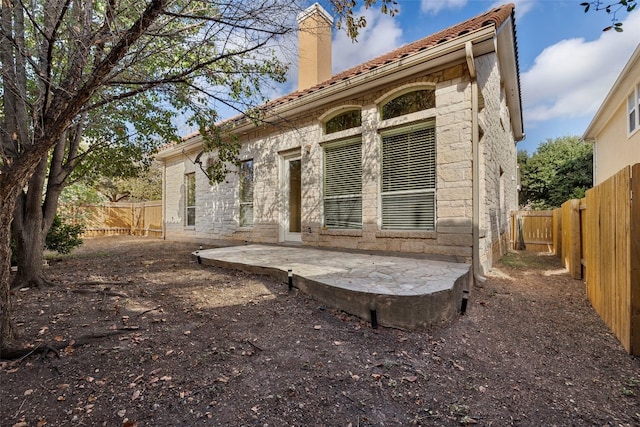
(614, 97)
(189, 144)
(447, 52)
(508, 57)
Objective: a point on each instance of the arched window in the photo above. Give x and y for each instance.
(410, 102)
(347, 120)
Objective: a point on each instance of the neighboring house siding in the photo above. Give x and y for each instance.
(614, 147)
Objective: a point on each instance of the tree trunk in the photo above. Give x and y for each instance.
(30, 253)
(33, 217)
(7, 330)
(29, 231)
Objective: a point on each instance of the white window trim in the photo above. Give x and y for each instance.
(241, 203)
(334, 144)
(187, 177)
(635, 93)
(336, 136)
(426, 121)
(414, 121)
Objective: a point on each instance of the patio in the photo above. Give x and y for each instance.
(400, 291)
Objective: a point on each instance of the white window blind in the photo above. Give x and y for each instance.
(190, 187)
(343, 185)
(409, 180)
(246, 193)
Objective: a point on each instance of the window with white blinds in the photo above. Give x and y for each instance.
(190, 187)
(408, 193)
(343, 185)
(246, 193)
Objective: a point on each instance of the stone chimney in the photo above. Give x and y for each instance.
(314, 46)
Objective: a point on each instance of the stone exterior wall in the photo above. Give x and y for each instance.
(218, 208)
(498, 164)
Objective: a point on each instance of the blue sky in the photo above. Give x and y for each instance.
(567, 64)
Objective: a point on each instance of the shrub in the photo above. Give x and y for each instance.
(63, 237)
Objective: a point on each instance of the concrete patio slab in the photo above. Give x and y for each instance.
(405, 292)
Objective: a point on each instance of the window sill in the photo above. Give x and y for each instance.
(336, 136)
(407, 234)
(341, 232)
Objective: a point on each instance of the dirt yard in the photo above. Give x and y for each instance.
(175, 343)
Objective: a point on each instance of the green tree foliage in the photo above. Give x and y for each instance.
(559, 170)
(113, 74)
(146, 186)
(63, 237)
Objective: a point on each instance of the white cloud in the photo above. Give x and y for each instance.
(435, 6)
(572, 77)
(381, 35)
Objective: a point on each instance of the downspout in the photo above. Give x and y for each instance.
(164, 200)
(475, 137)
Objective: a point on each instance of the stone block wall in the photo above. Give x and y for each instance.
(498, 187)
(218, 209)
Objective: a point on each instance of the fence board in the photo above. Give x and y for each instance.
(534, 228)
(634, 270)
(557, 232)
(608, 254)
(144, 218)
(571, 244)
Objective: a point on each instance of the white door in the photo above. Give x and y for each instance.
(292, 199)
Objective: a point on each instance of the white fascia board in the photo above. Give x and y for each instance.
(617, 94)
(509, 72)
(189, 145)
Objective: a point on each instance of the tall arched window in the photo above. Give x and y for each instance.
(408, 180)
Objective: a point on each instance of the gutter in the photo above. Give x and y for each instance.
(475, 140)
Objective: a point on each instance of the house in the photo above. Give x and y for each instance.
(615, 129)
(413, 151)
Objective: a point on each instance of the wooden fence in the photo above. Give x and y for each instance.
(598, 240)
(611, 248)
(144, 218)
(532, 230)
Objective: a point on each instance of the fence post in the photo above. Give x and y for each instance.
(557, 232)
(571, 237)
(132, 225)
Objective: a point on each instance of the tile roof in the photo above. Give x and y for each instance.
(494, 17)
